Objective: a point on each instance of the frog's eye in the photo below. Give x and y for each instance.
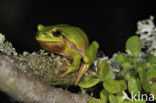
(56, 33)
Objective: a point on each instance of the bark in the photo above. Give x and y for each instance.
(26, 89)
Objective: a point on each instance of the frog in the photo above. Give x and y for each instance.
(68, 41)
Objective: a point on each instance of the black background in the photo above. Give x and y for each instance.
(109, 23)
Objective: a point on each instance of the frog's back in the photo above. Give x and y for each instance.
(75, 35)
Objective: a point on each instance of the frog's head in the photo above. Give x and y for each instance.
(49, 33)
(50, 38)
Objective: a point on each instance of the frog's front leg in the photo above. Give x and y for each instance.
(88, 59)
(76, 62)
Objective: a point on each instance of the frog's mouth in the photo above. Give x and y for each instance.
(52, 46)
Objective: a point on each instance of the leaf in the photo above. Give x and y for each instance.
(133, 46)
(120, 58)
(89, 82)
(129, 74)
(123, 85)
(95, 100)
(142, 66)
(153, 90)
(151, 58)
(104, 95)
(124, 59)
(112, 99)
(120, 97)
(112, 86)
(126, 64)
(116, 98)
(104, 70)
(144, 80)
(151, 72)
(141, 69)
(125, 70)
(134, 85)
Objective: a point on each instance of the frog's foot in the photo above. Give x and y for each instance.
(66, 61)
(83, 69)
(52, 55)
(60, 66)
(64, 64)
(69, 70)
(65, 73)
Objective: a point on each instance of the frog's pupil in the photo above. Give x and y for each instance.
(56, 33)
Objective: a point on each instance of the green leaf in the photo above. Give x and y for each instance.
(151, 72)
(126, 64)
(133, 46)
(153, 90)
(116, 98)
(141, 69)
(123, 85)
(144, 80)
(104, 95)
(95, 100)
(89, 82)
(112, 99)
(104, 70)
(129, 74)
(134, 85)
(120, 97)
(124, 59)
(151, 58)
(120, 57)
(142, 66)
(125, 70)
(112, 86)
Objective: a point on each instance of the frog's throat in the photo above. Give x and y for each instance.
(73, 46)
(52, 46)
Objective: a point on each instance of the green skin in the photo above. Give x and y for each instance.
(71, 42)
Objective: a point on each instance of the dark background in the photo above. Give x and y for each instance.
(109, 23)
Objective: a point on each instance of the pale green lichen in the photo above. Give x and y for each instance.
(43, 67)
(6, 47)
(2, 38)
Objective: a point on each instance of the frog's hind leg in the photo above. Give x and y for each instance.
(75, 64)
(88, 59)
(83, 69)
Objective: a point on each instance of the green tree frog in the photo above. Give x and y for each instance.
(68, 41)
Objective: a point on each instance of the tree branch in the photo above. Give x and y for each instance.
(26, 89)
